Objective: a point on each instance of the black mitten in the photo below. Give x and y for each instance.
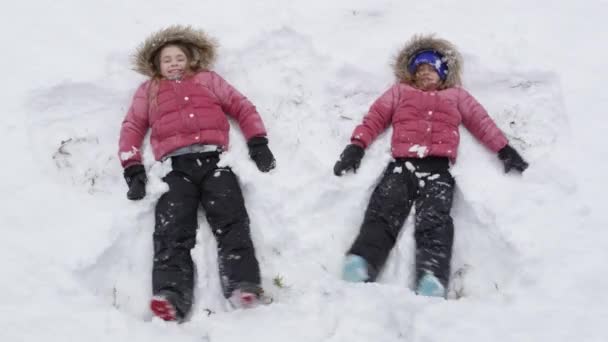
(349, 159)
(260, 153)
(511, 159)
(135, 175)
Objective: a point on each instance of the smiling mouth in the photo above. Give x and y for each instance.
(175, 74)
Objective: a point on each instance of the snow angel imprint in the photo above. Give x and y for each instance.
(185, 105)
(425, 108)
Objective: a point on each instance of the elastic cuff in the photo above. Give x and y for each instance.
(505, 151)
(358, 143)
(257, 141)
(133, 170)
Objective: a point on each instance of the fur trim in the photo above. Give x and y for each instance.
(202, 46)
(428, 42)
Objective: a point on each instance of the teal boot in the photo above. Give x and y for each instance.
(430, 286)
(355, 269)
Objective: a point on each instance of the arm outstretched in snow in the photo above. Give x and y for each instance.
(134, 128)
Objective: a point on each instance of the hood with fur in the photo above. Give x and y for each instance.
(418, 43)
(203, 48)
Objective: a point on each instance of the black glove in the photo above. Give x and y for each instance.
(260, 153)
(135, 175)
(349, 159)
(511, 159)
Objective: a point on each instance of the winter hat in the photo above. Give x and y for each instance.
(434, 58)
(448, 55)
(202, 48)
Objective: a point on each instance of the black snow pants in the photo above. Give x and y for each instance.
(427, 184)
(195, 179)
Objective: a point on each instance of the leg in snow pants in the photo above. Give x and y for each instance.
(196, 179)
(427, 184)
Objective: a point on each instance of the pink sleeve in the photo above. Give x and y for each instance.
(238, 106)
(377, 119)
(134, 128)
(476, 119)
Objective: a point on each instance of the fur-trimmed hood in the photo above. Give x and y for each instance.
(417, 43)
(202, 47)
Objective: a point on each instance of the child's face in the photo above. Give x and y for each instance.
(173, 62)
(426, 77)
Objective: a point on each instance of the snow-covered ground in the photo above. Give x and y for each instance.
(530, 252)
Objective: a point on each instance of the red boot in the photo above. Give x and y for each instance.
(162, 307)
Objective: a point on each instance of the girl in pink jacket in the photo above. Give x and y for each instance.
(184, 104)
(425, 109)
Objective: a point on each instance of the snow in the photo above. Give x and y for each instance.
(529, 253)
(420, 150)
(125, 155)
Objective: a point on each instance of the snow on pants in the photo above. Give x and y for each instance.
(427, 184)
(195, 179)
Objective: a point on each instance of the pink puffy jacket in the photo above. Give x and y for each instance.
(426, 123)
(185, 112)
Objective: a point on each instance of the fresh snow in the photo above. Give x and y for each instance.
(530, 251)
